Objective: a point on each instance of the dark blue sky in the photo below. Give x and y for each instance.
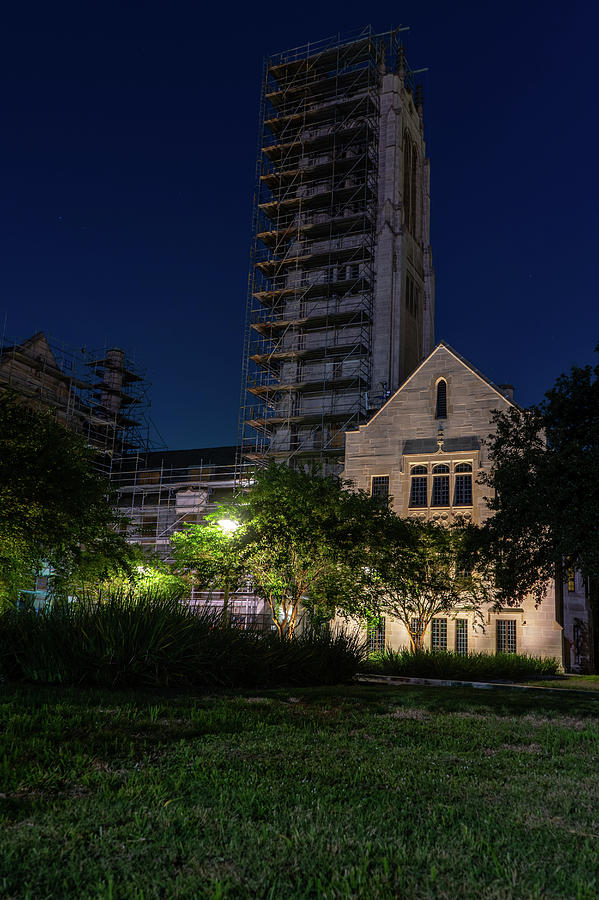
(127, 163)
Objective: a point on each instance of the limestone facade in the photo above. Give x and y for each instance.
(427, 447)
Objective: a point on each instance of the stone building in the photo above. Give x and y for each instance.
(425, 449)
(99, 394)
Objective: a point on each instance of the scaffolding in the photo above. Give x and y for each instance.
(161, 492)
(101, 395)
(307, 371)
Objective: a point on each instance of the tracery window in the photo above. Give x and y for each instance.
(451, 485)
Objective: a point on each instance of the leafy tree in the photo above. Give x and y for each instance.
(211, 555)
(545, 476)
(305, 544)
(420, 570)
(99, 578)
(54, 507)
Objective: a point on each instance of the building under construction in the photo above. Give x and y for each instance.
(161, 491)
(101, 395)
(340, 300)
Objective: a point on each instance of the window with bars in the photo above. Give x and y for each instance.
(462, 494)
(440, 494)
(441, 405)
(439, 634)
(380, 487)
(506, 635)
(375, 635)
(461, 636)
(571, 579)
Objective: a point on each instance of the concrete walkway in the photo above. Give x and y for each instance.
(483, 685)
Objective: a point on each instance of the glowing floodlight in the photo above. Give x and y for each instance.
(228, 525)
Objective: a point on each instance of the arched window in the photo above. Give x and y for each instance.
(407, 180)
(418, 487)
(441, 405)
(440, 495)
(413, 183)
(462, 495)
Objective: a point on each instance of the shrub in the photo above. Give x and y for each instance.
(473, 667)
(157, 641)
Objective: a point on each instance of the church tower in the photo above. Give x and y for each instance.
(340, 301)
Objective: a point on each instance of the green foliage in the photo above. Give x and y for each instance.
(212, 558)
(143, 574)
(545, 477)
(471, 667)
(419, 570)
(54, 507)
(305, 544)
(155, 640)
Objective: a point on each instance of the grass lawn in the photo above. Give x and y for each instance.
(573, 683)
(361, 791)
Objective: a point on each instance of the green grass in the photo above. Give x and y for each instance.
(574, 683)
(358, 791)
(470, 667)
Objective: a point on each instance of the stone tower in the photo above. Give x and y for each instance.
(340, 301)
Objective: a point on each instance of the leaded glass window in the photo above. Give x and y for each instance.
(416, 628)
(439, 634)
(380, 487)
(462, 495)
(440, 495)
(418, 487)
(375, 634)
(461, 636)
(506, 635)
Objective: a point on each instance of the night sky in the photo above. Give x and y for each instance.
(127, 162)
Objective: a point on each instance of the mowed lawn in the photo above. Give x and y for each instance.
(358, 791)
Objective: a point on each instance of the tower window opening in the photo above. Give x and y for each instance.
(441, 406)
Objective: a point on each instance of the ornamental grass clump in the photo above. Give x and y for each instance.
(470, 667)
(150, 640)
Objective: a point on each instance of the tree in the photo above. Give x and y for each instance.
(54, 507)
(212, 555)
(421, 570)
(305, 544)
(545, 477)
(98, 578)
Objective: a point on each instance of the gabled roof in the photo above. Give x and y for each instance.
(35, 347)
(456, 355)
